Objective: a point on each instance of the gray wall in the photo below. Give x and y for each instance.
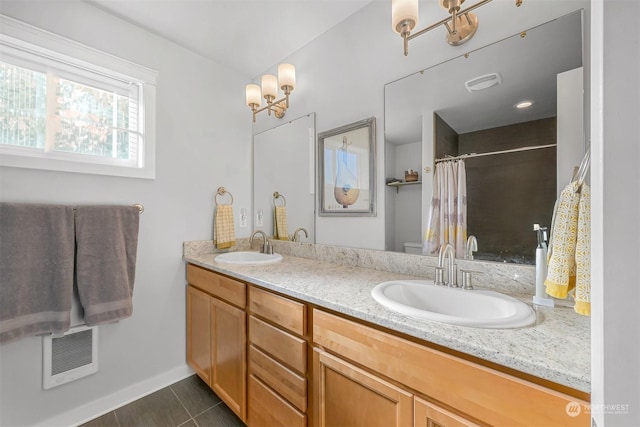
(200, 146)
(616, 208)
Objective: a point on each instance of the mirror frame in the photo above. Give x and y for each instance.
(370, 144)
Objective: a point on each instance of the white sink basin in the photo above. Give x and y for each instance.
(248, 258)
(480, 309)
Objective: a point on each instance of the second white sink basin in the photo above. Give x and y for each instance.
(245, 257)
(480, 309)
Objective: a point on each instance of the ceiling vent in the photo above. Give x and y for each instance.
(483, 82)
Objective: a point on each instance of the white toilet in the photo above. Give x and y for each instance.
(413, 248)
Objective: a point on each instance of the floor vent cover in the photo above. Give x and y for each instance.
(69, 357)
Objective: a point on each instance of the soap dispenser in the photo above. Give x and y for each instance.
(541, 298)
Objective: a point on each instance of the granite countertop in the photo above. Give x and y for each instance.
(556, 348)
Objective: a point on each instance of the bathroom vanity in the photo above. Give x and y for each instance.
(302, 342)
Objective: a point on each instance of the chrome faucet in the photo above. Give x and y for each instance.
(472, 246)
(266, 246)
(295, 237)
(447, 252)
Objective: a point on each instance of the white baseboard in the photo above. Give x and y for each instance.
(101, 406)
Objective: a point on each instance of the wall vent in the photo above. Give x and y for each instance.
(69, 357)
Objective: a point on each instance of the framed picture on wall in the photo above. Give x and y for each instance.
(346, 170)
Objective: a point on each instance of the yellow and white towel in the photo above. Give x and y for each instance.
(280, 230)
(569, 250)
(583, 254)
(224, 227)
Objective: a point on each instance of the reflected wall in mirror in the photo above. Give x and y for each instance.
(432, 114)
(284, 162)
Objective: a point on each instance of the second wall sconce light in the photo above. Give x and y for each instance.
(461, 25)
(286, 81)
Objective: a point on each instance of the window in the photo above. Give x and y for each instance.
(64, 106)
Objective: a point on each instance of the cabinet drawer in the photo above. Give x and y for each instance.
(268, 409)
(284, 381)
(282, 311)
(285, 347)
(217, 285)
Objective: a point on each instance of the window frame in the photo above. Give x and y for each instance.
(16, 36)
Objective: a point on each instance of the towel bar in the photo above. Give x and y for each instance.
(137, 205)
(277, 196)
(221, 192)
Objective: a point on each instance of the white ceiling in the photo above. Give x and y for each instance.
(248, 35)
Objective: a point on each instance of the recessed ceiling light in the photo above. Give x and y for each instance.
(524, 104)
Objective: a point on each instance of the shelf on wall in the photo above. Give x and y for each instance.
(397, 185)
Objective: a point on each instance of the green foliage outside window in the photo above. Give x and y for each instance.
(80, 118)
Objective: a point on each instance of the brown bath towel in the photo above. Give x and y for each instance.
(107, 242)
(36, 269)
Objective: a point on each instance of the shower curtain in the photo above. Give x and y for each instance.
(447, 221)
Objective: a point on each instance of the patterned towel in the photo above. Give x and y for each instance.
(583, 254)
(280, 231)
(224, 227)
(570, 248)
(561, 272)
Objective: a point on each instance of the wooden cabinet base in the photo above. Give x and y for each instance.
(492, 397)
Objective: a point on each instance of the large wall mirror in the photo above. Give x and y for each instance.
(284, 162)
(432, 114)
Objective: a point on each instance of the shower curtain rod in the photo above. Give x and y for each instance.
(491, 153)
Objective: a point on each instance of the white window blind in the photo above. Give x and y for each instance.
(73, 108)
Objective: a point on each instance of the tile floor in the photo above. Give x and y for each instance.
(187, 403)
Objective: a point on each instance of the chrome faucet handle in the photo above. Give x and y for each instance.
(466, 279)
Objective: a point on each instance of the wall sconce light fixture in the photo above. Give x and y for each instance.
(461, 25)
(254, 93)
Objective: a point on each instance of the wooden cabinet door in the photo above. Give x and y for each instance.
(428, 414)
(199, 332)
(268, 409)
(346, 395)
(228, 355)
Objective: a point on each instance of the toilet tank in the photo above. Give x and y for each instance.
(413, 248)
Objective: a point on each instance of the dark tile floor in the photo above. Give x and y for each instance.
(187, 403)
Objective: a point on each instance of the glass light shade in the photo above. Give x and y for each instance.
(404, 10)
(269, 86)
(253, 94)
(287, 75)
